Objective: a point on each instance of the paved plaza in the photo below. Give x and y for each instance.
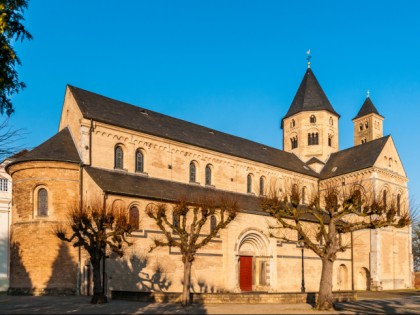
(387, 302)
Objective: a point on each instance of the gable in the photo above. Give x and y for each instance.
(389, 159)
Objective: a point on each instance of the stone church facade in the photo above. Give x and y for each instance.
(132, 156)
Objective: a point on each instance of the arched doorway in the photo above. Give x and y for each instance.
(253, 262)
(342, 281)
(363, 279)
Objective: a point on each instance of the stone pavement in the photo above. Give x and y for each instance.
(386, 302)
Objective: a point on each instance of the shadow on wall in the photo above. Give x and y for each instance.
(4, 260)
(200, 286)
(20, 282)
(63, 279)
(129, 275)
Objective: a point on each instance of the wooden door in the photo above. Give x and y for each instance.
(245, 273)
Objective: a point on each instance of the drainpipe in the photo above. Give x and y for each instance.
(352, 262)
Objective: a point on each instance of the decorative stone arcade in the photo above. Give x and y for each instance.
(253, 262)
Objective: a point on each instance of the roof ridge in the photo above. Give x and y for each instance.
(114, 112)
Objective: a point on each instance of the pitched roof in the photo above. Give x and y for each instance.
(121, 183)
(367, 108)
(353, 159)
(310, 97)
(126, 184)
(113, 112)
(60, 147)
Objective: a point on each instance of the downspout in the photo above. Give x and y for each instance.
(79, 262)
(352, 262)
(90, 142)
(8, 242)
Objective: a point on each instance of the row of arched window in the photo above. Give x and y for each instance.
(207, 173)
(312, 120)
(313, 139)
(249, 184)
(119, 159)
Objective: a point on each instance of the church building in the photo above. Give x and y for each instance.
(132, 156)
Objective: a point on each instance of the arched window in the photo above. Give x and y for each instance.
(119, 158)
(262, 186)
(42, 202)
(139, 161)
(331, 121)
(292, 123)
(312, 120)
(366, 125)
(134, 217)
(208, 174)
(330, 140)
(357, 199)
(304, 195)
(192, 172)
(399, 204)
(313, 138)
(249, 184)
(213, 223)
(294, 142)
(384, 201)
(361, 127)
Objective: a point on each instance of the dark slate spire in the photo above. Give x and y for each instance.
(367, 108)
(309, 97)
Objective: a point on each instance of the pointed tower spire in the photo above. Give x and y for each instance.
(310, 97)
(367, 108)
(310, 126)
(368, 123)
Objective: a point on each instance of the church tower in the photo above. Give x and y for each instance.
(368, 124)
(310, 127)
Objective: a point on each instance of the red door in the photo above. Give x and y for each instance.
(245, 273)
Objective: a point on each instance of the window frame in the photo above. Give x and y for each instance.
(208, 176)
(192, 172)
(45, 204)
(136, 210)
(139, 152)
(118, 160)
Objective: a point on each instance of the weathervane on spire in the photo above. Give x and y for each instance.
(368, 94)
(309, 57)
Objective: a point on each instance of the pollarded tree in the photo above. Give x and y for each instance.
(94, 227)
(185, 230)
(12, 29)
(330, 214)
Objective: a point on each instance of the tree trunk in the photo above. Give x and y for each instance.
(325, 297)
(98, 296)
(186, 297)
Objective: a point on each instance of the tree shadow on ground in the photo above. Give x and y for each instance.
(82, 305)
(391, 306)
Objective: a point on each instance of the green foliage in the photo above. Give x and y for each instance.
(11, 15)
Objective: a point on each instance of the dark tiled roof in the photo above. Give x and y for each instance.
(313, 160)
(125, 184)
(121, 183)
(113, 112)
(310, 97)
(354, 159)
(58, 148)
(367, 108)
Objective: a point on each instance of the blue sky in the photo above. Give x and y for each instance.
(230, 65)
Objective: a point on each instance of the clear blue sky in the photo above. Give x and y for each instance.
(230, 65)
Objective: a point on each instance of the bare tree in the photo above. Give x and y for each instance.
(341, 211)
(185, 229)
(9, 137)
(94, 226)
